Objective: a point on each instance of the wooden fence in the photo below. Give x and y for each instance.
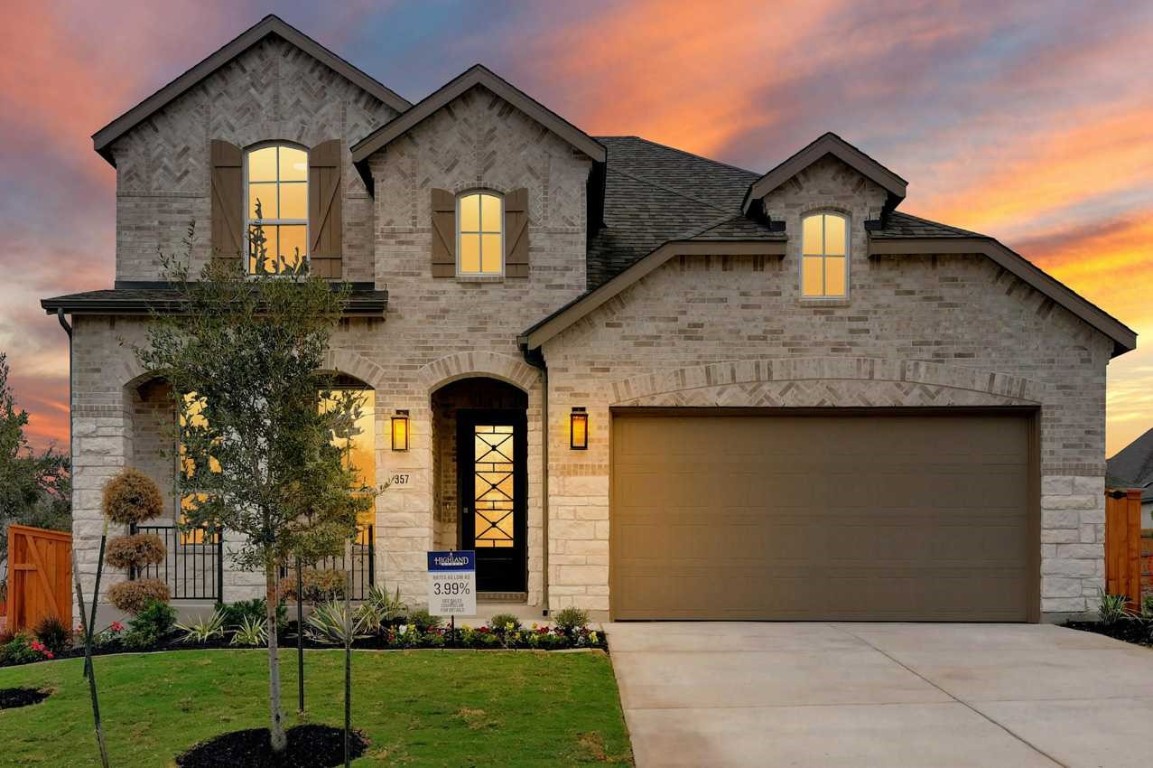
(1123, 554)
(39, 576)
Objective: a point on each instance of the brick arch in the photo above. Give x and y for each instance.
(827, 381)
(354, 364)
(462, 365)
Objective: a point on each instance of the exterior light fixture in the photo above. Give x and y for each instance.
(579, 430)
(400, 431)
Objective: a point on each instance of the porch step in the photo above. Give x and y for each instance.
(502, 597)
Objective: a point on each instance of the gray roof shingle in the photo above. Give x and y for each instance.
(903, 225)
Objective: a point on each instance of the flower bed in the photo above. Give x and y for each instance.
(241, 625)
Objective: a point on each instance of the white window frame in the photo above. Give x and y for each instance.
(275, 222)
(457, 225)
(822, 256)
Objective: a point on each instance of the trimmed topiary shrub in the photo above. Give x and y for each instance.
(132, 497)
(320, 585)
(135, 551)
(134, 596)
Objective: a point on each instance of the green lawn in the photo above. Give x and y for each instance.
(417, 708)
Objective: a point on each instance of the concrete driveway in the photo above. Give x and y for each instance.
(855, 695)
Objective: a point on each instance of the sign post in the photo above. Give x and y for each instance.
(452, 585)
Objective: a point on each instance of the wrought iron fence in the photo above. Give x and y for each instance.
(193, 566)
(360, 564)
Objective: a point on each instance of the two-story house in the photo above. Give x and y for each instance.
(634, 380)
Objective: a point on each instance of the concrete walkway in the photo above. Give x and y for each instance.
(856, 695)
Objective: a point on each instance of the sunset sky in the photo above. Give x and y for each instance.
(1030, 122)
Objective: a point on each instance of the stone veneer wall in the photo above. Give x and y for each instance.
(273, 91)
(915, 331)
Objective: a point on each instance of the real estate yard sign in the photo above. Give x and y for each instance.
(452, 583)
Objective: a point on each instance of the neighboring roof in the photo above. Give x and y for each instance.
(949, 241)
(1132, 466)
(654, 194)
(829, 144)
(268, 26)
(474, 76)
(363, 300)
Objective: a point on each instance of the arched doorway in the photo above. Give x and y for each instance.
(480, 470)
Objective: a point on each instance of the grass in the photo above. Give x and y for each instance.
(417, 708)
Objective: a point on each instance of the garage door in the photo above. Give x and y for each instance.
(869, 516)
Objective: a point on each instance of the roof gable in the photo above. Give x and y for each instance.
(476, 75)
(829, 144)
(269, 26)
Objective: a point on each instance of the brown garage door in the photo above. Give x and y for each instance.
(870, 516)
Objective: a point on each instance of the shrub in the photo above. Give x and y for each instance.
(24, 649)
(204, 630)
(54, 635)
(132, 497)
(1110, 608)
(320, 584)
(135, 551)
(329, 623)
(157, 617)
(1147, 607)
(390, 609)
(251, 632)
(134, 596)
(424, 621)
(235, 614)
(109, 637)
(570, 620)
(503, 623)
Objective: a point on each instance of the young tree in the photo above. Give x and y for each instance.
(243, 353)
(34, 487)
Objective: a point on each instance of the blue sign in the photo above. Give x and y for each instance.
(452, 560)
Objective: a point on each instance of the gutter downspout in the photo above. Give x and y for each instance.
(72, 431)
(536, 360)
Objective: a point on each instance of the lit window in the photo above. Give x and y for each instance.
(192, 419)
(277, 206)
(480, 234)
(824, 259)
(357, 442)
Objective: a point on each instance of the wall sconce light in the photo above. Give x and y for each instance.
(400, 431)
(579, 430)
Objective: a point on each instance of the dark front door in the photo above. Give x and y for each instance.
(490, 460)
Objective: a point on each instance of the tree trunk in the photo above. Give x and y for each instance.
(276, 723)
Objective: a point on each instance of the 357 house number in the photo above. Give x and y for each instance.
(398, 480)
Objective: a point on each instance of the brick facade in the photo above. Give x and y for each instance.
(699, 331)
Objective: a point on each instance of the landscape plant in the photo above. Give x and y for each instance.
(131, 498)
(259, 461)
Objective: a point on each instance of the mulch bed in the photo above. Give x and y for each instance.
(309, 746)
(1127, 630)
(11, 698)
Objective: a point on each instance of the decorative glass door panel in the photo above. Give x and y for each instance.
(494, 507)
(491, 471)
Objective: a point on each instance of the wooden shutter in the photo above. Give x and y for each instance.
(443, 233)
(516, 233)
(325, 221)
(227, 202)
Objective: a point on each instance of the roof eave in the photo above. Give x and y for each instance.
(829, 144)
(103, 139)
(1124, 338)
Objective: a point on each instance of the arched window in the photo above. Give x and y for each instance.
(277, 205)
(824, 256)
(479, 234)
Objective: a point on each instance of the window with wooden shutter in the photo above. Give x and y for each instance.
(324, 209)
(227, 202)
(516, 233)
(277, 208)
(443, 233)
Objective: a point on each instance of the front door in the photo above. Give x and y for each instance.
(490, 460)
